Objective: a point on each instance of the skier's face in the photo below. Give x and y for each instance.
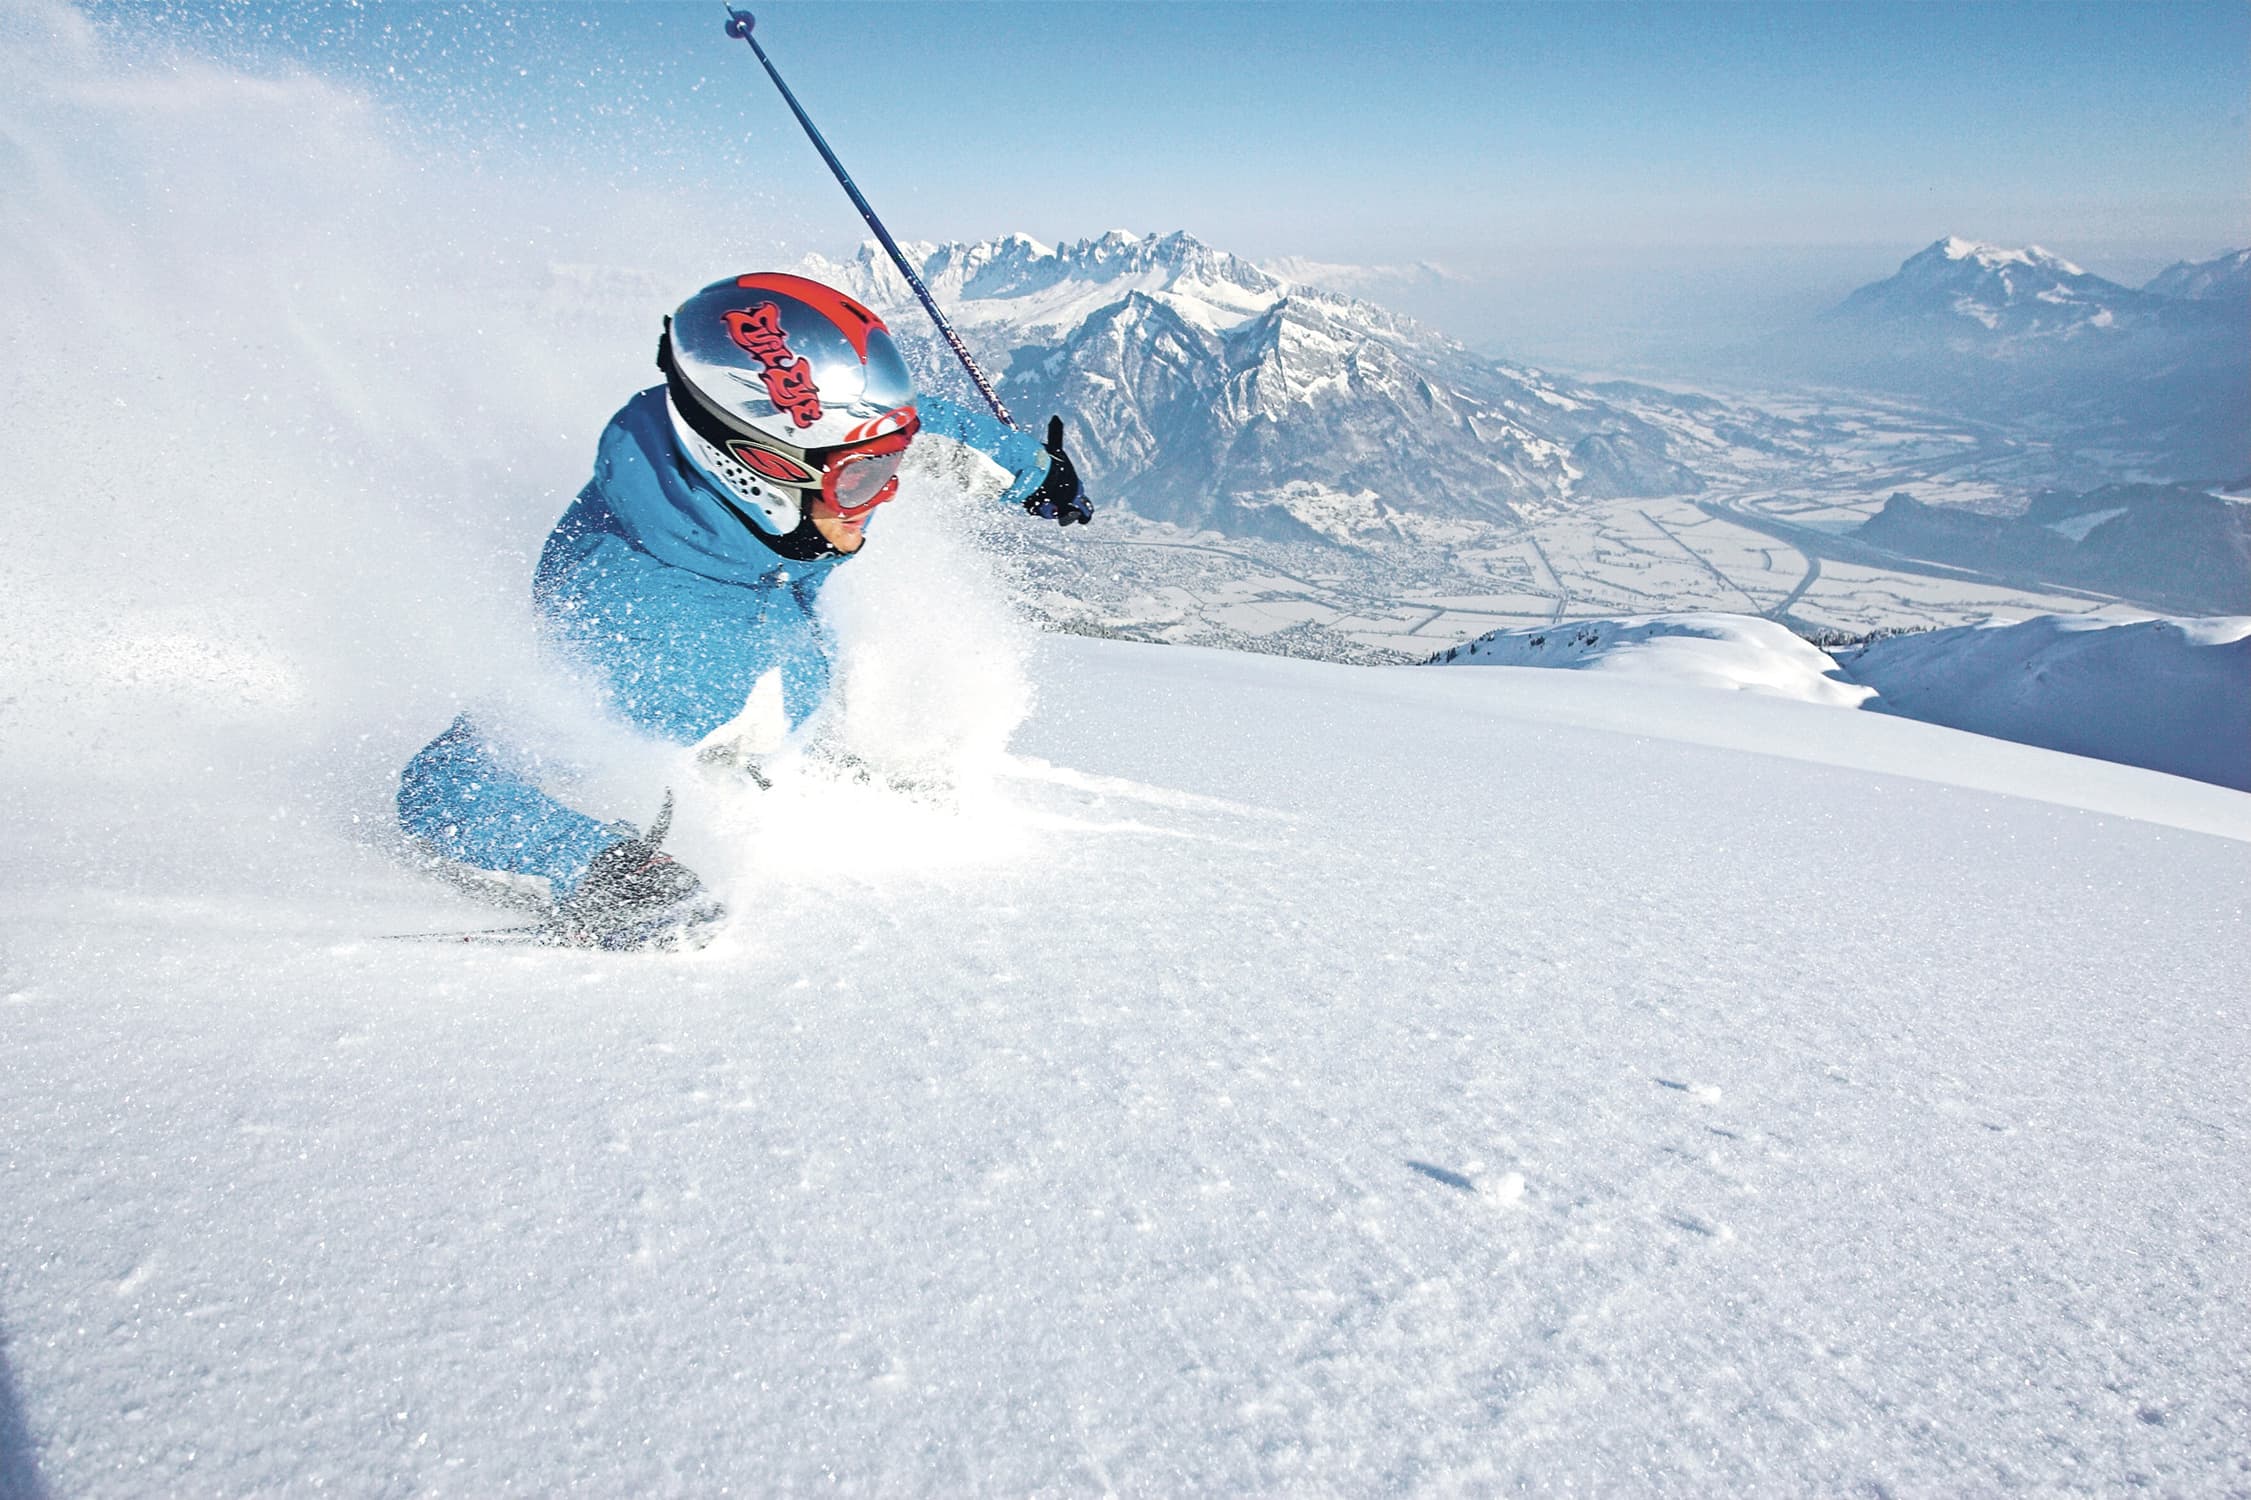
(840, 531)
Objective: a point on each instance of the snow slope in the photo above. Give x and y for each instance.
(1282, 1076)
(2172, 695)
(1741, 652)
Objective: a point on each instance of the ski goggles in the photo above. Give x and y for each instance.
(854, 477)
(858, 478)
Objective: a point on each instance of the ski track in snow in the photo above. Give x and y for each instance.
(1454, 1098)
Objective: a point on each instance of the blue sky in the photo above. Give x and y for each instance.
(1533, 144)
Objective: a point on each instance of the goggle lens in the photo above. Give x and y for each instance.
(859, 481)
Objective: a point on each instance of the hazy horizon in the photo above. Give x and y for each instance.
(1636, 310)
(1629, 185)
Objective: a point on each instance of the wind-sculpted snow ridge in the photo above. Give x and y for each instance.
(1741, 652)
(2171, 695)
(1209, 392)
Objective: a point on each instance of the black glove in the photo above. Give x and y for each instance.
(1059, 498)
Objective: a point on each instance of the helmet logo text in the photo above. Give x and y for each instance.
(789, 380)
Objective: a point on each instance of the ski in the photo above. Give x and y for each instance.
(530, 933)
(674, 931)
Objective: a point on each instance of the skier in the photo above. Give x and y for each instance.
(686, 571)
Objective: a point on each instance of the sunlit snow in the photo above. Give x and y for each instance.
(1204, 1073)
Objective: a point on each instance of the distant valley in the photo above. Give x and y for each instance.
(1288, 467)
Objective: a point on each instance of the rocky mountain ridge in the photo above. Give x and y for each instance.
(1207, 391)
(2225, 277)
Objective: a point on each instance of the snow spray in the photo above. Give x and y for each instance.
(298, 389)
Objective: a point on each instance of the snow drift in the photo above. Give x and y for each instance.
(2168, 695)
(1739, 652)
(2172, 695)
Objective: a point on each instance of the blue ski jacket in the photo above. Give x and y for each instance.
(678, 607)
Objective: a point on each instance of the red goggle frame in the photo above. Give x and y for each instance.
(858, 479)
(854, 477)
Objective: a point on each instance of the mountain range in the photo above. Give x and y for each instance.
(1987, 296)
(2225, 278)
(2169, 546)
(1213, 392)
(1210, 392)
(2157, 376)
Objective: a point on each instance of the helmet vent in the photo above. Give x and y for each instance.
(780, 510)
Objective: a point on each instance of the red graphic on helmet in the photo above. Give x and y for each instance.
(771, 465)
(789, 380)
(898, 419)
(851, 319)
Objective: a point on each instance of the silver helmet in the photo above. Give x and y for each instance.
(780, 389)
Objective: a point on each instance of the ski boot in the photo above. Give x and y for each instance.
(634, 895)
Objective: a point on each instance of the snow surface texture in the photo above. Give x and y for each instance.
(1251, 1075)
(1276, 1076)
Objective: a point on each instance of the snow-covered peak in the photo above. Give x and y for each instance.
(2224, 276)
(1209, 391)
(1992, 257)
(1019, 281)
(2006, 291)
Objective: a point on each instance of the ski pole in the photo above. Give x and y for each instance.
(739, 23)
